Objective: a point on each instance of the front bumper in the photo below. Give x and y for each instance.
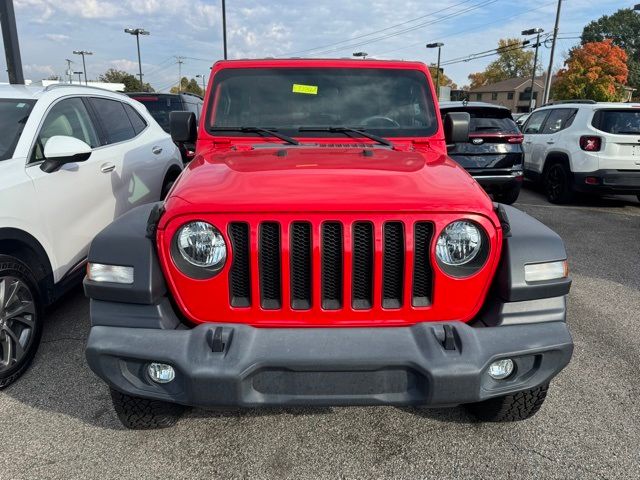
(328, 366)
(621, 182)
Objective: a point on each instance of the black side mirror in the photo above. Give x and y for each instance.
(183, 127)
(456, 127)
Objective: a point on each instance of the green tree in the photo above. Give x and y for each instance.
(443, 80)
(623, 28)
(188, 86)
(131, 82)
(513, 61)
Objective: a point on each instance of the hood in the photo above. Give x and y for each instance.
(325, 179)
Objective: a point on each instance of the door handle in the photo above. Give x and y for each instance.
(551, 142)
(156, 150)
(107, 167)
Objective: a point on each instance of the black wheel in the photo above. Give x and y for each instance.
(144, 414)
(166, 187)
(510, 408)
(508, 196)
(557, 184)
(20, 319)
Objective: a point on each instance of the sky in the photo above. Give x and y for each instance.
(49, 31)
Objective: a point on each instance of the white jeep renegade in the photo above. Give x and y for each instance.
(584, 146)
(72, 159)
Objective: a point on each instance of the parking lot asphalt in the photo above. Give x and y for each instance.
(57, 421)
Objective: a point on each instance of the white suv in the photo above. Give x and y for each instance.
(72, 159)
(584, 147)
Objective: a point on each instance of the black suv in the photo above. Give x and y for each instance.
(160, 105)
(493, 155)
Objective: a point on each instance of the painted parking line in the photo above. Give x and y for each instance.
(625, 213)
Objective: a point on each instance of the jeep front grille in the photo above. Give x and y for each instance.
(341, 271)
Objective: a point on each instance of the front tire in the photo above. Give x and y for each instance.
(144, 414)
(508, 196)
(557, 184)
(20, 319)
(510, 408)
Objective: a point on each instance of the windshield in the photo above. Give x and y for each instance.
(13, 116)
(623, 122)
(160, 106)
(386, 102)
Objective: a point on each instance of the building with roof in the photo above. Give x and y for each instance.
(513, 93)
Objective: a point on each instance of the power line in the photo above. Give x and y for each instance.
(416, 27)
(376, 31)
(479, 27)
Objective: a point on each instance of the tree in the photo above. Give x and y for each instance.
(594, 71)
(513, 61)
(443, 80)
(622, 28)
(131, 82)
(188, 86)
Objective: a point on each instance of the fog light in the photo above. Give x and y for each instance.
(501, 369)
(161, 372)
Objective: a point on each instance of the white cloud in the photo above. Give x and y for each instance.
(44, 70)
(124, 64)
(57, 37)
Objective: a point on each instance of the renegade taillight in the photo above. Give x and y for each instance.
(515, 139)
(590, 143)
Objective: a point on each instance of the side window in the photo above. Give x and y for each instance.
(139, 124)
(68, 117)
(559, 119)
(535, 122)
(114, 119)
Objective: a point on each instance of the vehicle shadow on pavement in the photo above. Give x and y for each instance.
(581, 199)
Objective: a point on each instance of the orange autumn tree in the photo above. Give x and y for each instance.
(594, 71)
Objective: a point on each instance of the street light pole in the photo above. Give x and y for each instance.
(224, 28)
(531, 31)
(137, 32)
(203, 86)
(439, 46)
(547, 81)
(11, 45)
(84, 65)
(80, 77)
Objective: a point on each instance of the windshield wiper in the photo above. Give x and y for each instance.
(269, 131)
(358, 131)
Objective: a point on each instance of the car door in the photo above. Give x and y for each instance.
(76, 201)
(137, 173)
(534, 142)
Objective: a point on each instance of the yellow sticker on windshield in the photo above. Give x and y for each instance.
(308, 89)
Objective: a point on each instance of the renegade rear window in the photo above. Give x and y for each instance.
(13, 116)
(488, 120)
(622, 122)
(387, 102)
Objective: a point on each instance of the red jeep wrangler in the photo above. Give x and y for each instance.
(322, 249)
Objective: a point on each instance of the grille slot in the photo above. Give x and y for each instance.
(332, 246)
(300, 258)
(362, 269)
(393, 265)
(269, 257)
(422, 273)
(240, 276)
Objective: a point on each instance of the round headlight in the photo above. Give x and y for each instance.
(199, 244)
(459, 243)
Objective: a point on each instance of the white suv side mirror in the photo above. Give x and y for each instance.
(61, 149)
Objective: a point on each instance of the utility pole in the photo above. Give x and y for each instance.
(69, 70)
(11, 45)
(547, 81)
(531, 31)
(137, 32)
(84, 65)
(224, 28)
(180, 62)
